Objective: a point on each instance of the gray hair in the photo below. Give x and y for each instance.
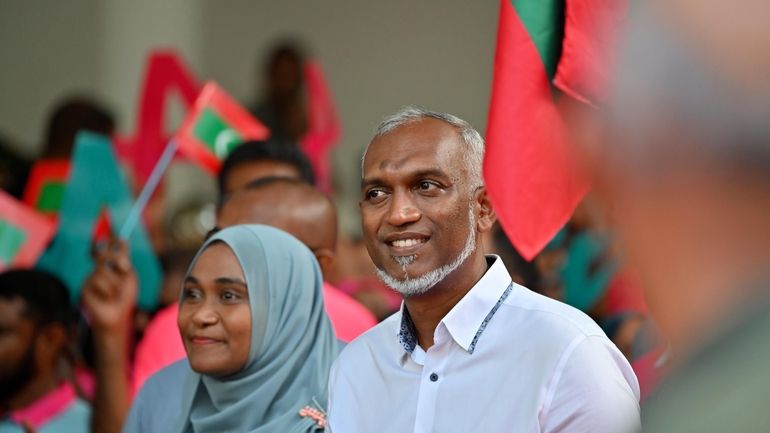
(474, 154)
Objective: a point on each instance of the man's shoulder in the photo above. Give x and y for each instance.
(549, 315)
(527, 310)
(380, 339)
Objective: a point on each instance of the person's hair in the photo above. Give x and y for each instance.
(264, 182)
(70, 116)
(270, 150)
(45, 297)
(287, 49)
(473, 155)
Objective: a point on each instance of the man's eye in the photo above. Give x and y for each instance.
(426, 185)
(374, 194)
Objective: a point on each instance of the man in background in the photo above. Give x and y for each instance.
(36, 324)
(303, 211)
(257, 159)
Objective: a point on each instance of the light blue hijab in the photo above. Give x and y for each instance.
(292, 342)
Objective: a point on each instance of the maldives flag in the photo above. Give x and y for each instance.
(546, 50)
(215, 125)
(24, 233)
(46, 184)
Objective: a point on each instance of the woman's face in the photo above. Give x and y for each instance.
(214, 315)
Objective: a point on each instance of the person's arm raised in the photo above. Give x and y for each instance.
(109, 298)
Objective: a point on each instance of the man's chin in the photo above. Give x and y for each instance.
(408, 285)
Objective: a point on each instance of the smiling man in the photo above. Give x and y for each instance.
(470, 351)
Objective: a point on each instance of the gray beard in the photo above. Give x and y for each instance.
(417, 286)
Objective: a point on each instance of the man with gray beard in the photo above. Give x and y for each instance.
(470, 350)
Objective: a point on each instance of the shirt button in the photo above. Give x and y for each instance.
(433, 377)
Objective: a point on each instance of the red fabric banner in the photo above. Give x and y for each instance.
(530, 178)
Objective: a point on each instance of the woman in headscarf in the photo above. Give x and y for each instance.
(259, 344)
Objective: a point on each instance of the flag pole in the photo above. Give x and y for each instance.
(152, 182)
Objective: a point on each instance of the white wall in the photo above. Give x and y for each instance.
(377, 56)
(48, 50)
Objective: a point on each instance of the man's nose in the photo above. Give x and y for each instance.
(402, 210)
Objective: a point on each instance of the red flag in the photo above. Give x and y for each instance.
(215, 125)
(324, 125)
(24, 233)
(590, 36)
(532, 181)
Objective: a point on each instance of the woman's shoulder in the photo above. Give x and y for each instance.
(158, 405)
(173, 374)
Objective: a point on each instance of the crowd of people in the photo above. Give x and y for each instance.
(646, 312)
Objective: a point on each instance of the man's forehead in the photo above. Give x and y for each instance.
(268, 204)
(247, 203)
(423, 141)
(257, 207)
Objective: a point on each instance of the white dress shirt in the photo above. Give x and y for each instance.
(504, 359)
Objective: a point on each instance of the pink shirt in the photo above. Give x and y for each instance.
(162, 345)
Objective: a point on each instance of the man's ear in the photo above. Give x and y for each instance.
(51, 340)
(325, 259)
(485, 214)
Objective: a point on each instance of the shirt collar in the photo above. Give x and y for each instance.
(467, 320)
(46, 408)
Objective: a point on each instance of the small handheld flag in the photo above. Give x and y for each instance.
(215, 125)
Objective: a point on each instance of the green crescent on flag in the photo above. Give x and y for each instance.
(215, 133)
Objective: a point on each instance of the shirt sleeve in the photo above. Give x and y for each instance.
(343, 413)
(332, 415)
(593, 390)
